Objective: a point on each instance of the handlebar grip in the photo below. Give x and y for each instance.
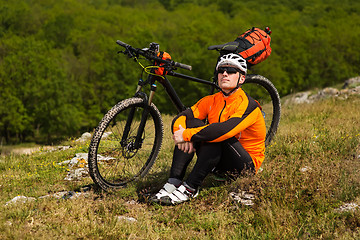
(125, 45)
(184, 66)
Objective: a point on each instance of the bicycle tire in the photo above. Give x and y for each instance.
(269, 100)
(122, 164)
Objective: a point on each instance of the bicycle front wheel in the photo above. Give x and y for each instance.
(113, 158)
(262, 90)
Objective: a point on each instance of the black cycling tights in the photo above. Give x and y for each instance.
(226, 156)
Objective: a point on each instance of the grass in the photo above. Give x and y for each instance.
(290, 203)
(5, 150)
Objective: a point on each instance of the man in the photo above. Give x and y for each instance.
(233, 141)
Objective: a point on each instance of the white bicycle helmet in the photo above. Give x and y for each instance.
(234, 60)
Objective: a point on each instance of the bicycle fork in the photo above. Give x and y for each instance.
(133, 146)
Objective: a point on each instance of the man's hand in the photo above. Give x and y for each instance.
(178, 135)
(187, 147)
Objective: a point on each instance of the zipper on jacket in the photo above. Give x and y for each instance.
(222, 110)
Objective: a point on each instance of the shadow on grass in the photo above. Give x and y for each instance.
(143, 188)
(152, 183)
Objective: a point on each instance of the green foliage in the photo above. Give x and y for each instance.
(60, 71)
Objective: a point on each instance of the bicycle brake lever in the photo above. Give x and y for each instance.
(127, 52)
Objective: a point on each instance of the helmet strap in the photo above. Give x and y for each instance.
(232, 90)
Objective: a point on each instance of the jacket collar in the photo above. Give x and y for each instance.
(235, 95)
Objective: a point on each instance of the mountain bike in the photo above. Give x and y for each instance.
(127, 140)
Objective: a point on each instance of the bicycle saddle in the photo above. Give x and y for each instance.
(229, 47)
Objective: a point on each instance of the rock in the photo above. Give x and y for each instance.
(347, 207)
(64, 162)
(131, 202)
(243, 198)
(301, 97)
(84, 137)
(352, 82)
(329, 92)
(104, 159)
(71, 194)
(79, 158)
(305, 169)
(355, 90)
(20, 199)
(351, 87)
(78, 166)
(77, 174)
(129, 219)
(57, 195)
(106, 134)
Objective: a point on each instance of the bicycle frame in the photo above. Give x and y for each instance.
(172, 93)
(148, 100)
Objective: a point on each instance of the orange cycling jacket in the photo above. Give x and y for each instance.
(237, 115)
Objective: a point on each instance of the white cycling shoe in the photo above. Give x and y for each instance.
(181, 194)
(172, 195)
(166, 190)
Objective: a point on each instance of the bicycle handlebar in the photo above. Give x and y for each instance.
(182, 65)
(125, 45)
(150, 55)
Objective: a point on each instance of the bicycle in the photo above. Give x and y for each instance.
(129, 136)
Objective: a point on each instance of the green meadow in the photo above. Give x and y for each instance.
(311, 171)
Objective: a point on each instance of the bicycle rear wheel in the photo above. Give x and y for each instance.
(262, 90)
(113, 159)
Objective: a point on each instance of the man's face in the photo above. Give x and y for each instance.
(228, 77)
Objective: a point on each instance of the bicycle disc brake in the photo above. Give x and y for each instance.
(128, 149)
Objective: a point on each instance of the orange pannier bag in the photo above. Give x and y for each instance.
(165, 56)
(254, 45)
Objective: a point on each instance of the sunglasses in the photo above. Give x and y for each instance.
(229, 70)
